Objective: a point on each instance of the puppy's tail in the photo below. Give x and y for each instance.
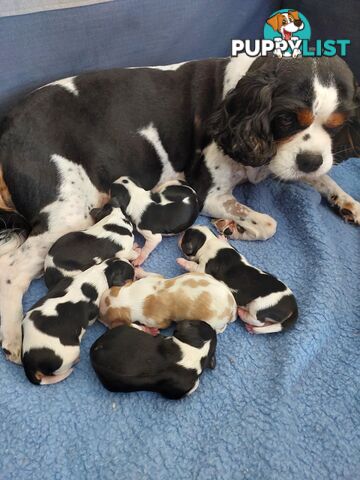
(14, 230)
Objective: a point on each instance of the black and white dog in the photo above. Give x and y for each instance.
(53, 328)
(265, 304)
(128, 360)
(170, 210)
(217, 122)
(75, 252)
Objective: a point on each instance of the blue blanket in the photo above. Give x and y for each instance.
(276, 407)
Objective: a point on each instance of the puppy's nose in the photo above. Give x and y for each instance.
(298, 23)
(308, 162)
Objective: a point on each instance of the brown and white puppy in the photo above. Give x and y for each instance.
(156, 301)
(265, 304)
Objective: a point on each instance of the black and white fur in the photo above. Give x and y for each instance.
(265, 304)
(127, 360)
(54, 327)
(112, 235)
(216, 123)
(171, 209)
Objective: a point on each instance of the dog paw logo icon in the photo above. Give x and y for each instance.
(288, 29)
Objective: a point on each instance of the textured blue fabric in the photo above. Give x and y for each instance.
(276, 407)
(42, 47)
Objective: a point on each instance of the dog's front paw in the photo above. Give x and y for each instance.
(255, 226)
(348, 209)
(12, 350)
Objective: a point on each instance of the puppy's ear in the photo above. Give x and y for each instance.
(98, 214)
(212, 362)
(274, 21)
(192, 241)
(295, 14)
(241, 125)
(119, 193)
(118, 272)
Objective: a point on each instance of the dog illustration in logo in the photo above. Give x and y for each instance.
(286, 23)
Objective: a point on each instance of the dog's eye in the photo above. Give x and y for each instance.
(285, 120)
(284, 22)
(284, 125)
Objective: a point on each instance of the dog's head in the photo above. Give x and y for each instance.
(196, 333)
(286, 23)
(43, 366)
(288, 113)
(118, 272)
(193, 241)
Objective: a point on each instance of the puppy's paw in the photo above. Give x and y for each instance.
(12, 351)
(255, 226)
(182, 262)
(140, 259)
(249, 328)
(347, 208)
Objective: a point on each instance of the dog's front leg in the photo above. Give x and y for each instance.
(189, 265)
(244, 223)
(344, 204)
(17, 270)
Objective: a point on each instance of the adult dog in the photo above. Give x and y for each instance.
(216, 122)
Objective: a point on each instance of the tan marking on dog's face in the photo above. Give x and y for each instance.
(336, 119)
(38, 375)
(114, 317)
(6, 202)
(305, 117)
(107, 301)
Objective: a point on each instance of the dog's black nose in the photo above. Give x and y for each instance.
(308, 162)
(298, 23)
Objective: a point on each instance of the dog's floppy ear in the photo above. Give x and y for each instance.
(119, 193)
(192, 241)
(274, 21)
(295, 14)
(118, 272)
(98, 214)
(241, 125)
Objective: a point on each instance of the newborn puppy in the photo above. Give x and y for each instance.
(53, 328)
(171, 209)
(128, 360)
(155, 301)
(112, 235)
(265, 304)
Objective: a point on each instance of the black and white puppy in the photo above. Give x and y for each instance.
(265, 304)
(75, 252)
(170, 210)
(53, 328)
(127, 360)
